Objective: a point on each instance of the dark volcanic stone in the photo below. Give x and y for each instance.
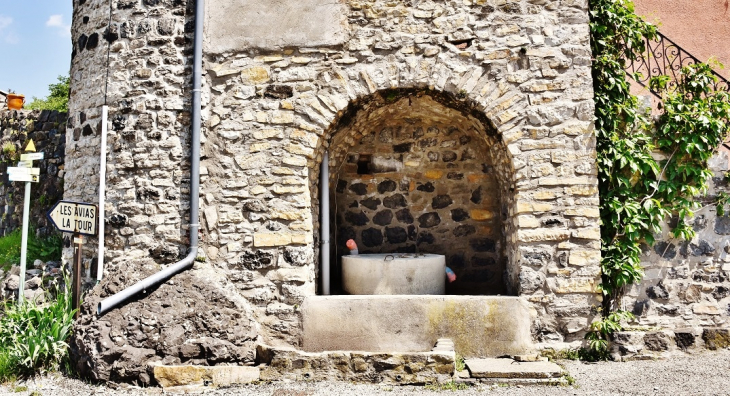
(483, 245)
(254, 260)
(441, 201)
(666, 250)
(657, 292)
(395, 201)
(165, 253)
(716, 338)
(396, 235)
(700, 223)
(552, 223)
(402, 148)
(387, 186)
(476, 196)
(477, 261)
(427, 142)
(344, 234)
(684, 338)
(81, 42)
(703, 249)
(427, 187)
(722, 225)
(359, 188)
(298, 256)
(354, 204)
(720, 292)
(372, 237)
(404, 216)
(448, 156)
(459, 214)
(341, 184)
(279, 92)
(455, 176)
(383, 218)
(426, 237)
(536, 257)
(118, 220)
(93, 41)
(428, 220)
(456, 261)
(371, 203)
(656, 341)
(87, 130)
(356, 218)
(464, 230)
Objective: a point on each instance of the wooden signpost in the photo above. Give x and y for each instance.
(81, 219)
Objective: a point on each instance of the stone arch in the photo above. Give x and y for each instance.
(501, 168)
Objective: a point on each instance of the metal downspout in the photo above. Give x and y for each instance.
(324, 208)
(112, 301)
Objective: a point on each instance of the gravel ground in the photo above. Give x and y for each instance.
(706, 373)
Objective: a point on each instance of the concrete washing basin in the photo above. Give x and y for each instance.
(412, 274)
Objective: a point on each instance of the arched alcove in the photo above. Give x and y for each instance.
(419, 171)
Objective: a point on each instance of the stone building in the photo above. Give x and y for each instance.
(463, 128)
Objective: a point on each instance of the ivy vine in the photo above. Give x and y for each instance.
(648, 170)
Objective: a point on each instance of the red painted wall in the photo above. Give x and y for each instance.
(702, 27)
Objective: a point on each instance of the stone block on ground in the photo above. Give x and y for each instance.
(172, 376)
(716, 338)
(508, 368)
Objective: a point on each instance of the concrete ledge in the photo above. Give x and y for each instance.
(216, 376)
(480, 326)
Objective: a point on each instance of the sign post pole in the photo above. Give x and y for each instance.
(76, 290)
(28, 175)
(24, 244)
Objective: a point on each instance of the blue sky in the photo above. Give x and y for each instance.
(35, 44)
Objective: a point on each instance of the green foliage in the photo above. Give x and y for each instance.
(33, 337)
(447, 386)
(57, 98)
(600, 333)
(638, 191)
(47, 248)
(459, 363)
(10, 249)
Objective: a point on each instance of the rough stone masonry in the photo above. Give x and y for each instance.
(476, 115)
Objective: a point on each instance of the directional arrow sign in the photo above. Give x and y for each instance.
(31, 156)
(78, 217)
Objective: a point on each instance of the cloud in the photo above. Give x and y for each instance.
(56, 21)
(7, 35)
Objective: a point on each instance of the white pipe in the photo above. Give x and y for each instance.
(155, 279)
(324, 209)
(102, 192)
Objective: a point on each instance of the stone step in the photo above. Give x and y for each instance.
(402, 368)
(478, 325)
(502, 368)
(185, 378)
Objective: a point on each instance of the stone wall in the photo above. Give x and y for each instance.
(48, 131)
(516, 72)
(687, 283)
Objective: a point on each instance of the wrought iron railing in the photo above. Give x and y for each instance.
(663, 56)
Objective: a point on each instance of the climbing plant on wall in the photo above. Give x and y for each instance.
(647, 172)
